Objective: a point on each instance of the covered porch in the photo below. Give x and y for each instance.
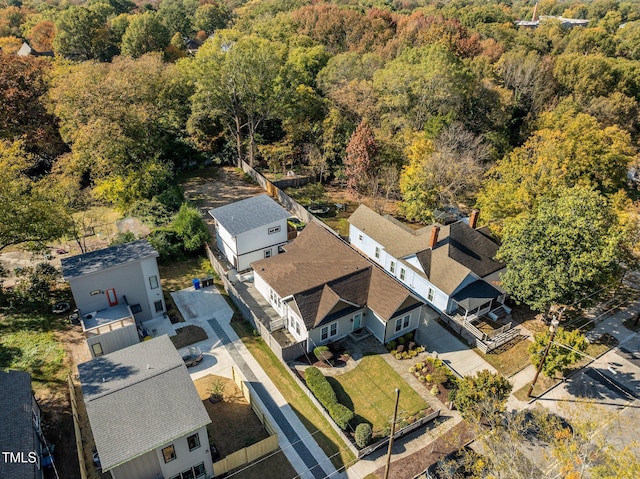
(477, 300)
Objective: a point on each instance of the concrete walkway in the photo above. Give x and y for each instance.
(207, 308)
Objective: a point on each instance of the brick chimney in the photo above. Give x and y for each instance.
(435, 229)
(473, 219)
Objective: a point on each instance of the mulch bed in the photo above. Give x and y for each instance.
(416, 463)
(443, 388)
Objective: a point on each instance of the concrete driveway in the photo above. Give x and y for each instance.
(197, 308)
(460, 357)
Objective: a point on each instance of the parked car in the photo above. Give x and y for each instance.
(191, 356)
(96, 459)
(295, 223)
(61, 308)
(47, 457)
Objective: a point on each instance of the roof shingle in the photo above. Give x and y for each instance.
(139, 398)
(249, 214)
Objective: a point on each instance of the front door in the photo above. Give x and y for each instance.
(357, 321)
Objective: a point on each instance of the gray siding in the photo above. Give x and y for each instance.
(114, 340)
(142, 467)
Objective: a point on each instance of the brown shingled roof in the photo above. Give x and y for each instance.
(325, 275)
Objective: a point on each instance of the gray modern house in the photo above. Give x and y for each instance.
(145, 413)
(115, 289)
(20, 434)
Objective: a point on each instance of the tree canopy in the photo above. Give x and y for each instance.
(572, 245)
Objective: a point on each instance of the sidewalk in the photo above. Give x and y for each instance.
(208, 309)
(608, 324)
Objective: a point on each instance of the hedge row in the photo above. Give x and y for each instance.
(322, 390)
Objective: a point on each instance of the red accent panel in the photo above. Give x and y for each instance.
(111, 297)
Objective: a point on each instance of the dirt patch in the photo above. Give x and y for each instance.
(414, 464)
(234, 424)
(188, 335)
(216, 186)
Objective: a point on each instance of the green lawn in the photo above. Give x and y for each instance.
(369, 390)
(326, 437)
(509, 361)
(28, 343)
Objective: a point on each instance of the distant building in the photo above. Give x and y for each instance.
(26, 50)
(146, 416)
(20, 432)
(565, 22)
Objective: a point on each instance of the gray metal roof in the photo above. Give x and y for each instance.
(139, 398)
(249, 214)
(16, 432)
(99, 260)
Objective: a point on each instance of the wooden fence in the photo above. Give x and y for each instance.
(285, 353)
(76, 427)
(255, 451)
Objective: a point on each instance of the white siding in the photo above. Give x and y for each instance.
(376, 325)
(250, 246)
(185, 458)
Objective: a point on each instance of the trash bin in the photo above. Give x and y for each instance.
(196, 283)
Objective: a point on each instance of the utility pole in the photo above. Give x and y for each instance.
(553, 328)
(393, 431)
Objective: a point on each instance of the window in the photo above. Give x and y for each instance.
(392, 267)
(430, 295)
(297, 327)
(153, 282)
(274, 229)
(333, 329)
(97, 349)
(267, 253)
(324, 333)
(193, 441)
(402, 273)
(377, 252)
(360, 238)
(329, 331)
(200, 470)
(403, 323)
(188, 474)
(169, 453)
(159, 306)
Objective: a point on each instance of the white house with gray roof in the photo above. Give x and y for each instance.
(146, 416)
(20, 433)
(250, 230)
(115, 289)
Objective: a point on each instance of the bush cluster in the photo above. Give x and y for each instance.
(363, 434)
(404, 347)
(322, 390)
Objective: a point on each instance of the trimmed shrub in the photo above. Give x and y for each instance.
(363, 434)
(391, 345)
(341, 414)
(434, 390)
(320, 387)
(401, 340)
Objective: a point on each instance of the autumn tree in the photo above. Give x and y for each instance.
(145, 33)
(29, 213)
(570, 148)
(211, 17)
(569, 247)
(83, 33)
(41, 36)
(23, 83)
(441, 171)
(237, 82)
(559, 357)
(361, 163)
(482, 397)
